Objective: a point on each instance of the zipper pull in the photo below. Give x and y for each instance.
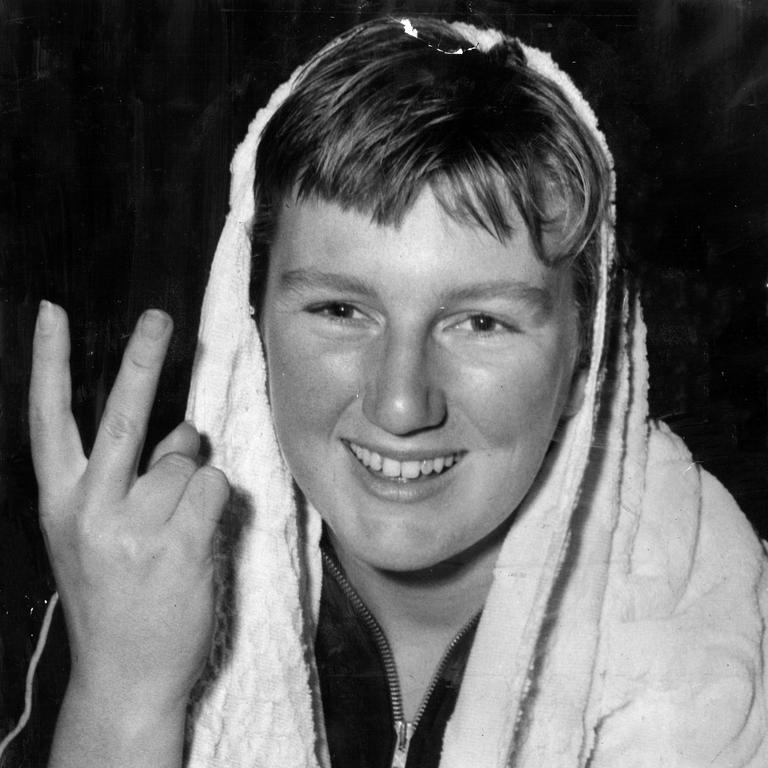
(403, 732)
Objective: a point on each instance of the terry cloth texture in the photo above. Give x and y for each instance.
(625, 622)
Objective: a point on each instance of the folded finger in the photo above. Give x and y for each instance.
(57, 452)
(157, 493)
(184, 439)
(200, 508)
(115, 455)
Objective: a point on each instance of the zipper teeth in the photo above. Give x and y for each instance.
(378, 636)
(386, 652)
(443, 664)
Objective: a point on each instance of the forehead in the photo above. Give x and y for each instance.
(427, 254)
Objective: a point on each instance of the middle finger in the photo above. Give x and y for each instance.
(123, 427)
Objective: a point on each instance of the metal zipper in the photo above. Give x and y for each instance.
(404, 730)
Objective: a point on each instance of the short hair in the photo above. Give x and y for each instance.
(381, 113)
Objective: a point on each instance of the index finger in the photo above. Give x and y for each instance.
(113, 461)
(57, 452)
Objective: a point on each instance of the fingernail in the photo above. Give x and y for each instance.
(153, 324)
(46, 317)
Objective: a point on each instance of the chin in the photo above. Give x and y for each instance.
(387, 546)
(410, 550)
(410, 562)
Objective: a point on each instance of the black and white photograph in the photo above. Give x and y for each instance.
(383, 384)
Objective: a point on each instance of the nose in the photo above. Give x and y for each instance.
(403, 393)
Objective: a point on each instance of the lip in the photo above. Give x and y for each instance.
(399, 490)
(399, 454)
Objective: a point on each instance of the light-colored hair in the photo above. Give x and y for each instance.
(382, 113)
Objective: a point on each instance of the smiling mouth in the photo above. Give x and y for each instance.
(403, 471)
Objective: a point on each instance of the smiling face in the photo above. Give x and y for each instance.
(417, 374)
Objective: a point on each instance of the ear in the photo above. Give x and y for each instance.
(576, 394)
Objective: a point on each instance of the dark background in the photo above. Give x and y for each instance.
(117, 123)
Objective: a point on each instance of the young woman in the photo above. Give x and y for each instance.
(452, 537)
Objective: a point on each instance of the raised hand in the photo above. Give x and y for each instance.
(132, 556)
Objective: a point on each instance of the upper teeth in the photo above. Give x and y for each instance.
(408, 470)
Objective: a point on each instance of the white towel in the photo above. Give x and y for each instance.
(633, 640)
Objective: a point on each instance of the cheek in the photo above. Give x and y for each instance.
(523, 398)
(309, 387)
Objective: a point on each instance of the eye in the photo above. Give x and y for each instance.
(338, 311)
(482, 325)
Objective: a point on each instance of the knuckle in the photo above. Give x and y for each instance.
(103, 540)
(126, 547)
(141, 357)
(42, 413)
(214, 479)
(179, 463)
(119, 426)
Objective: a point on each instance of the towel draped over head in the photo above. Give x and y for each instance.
(624, 625)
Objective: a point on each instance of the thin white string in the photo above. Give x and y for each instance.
(41, 640)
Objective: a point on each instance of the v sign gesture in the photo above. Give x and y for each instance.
(132, 556)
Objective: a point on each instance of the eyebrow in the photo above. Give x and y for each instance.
(298, 279)
(538, 298)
